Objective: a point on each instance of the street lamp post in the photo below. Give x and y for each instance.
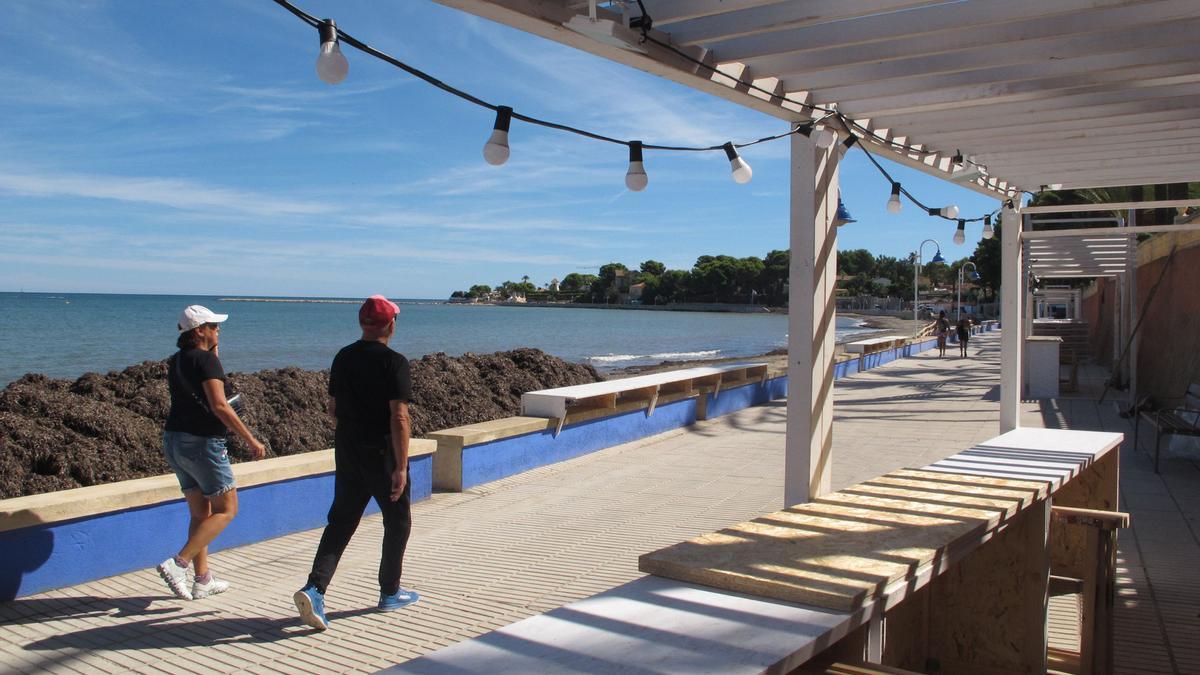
(974, 277)
(937, 257)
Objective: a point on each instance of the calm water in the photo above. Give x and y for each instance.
(70, 334)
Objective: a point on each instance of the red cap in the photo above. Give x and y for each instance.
(377, 311)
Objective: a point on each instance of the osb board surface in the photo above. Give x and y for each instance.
(845, 548)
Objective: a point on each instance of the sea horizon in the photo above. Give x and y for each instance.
(65, 335)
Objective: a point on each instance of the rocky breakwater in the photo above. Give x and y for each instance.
(61, 434)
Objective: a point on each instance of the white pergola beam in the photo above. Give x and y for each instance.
(1127, 110)
(1045, 95)
(906, 58)
(1071, 73)
(1059, 107)
(915, 23)
(726, 19)
(1112, 125)
(1122, 143)
(1113, 206)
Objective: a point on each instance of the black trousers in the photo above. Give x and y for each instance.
(362, 472)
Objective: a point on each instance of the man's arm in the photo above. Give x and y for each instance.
(401, 427)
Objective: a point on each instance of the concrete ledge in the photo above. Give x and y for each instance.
(72, 536)
(479, 453)
(52, 507)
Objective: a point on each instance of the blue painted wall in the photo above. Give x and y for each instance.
(736, 398)
(54, 555)
(505, 457)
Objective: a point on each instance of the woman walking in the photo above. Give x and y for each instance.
(194, 445)
(942, 328)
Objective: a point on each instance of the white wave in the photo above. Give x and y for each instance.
(665, 356)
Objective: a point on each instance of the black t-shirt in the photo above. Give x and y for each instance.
(364, 378)
(187, 414)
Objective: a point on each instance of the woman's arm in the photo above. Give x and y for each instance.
(214, 391)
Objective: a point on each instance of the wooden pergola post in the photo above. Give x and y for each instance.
(1012, 337)
(811, 313)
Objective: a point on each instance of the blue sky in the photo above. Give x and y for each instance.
(169, 147)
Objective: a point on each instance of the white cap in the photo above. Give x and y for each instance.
(198, 315)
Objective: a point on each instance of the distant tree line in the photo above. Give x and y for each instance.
(726, 279)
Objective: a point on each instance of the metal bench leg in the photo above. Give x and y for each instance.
(1157, 444)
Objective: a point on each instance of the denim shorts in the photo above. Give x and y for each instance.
(199, 462)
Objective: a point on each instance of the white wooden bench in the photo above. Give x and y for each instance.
(1181, 420)
(557, 403)
(996, 491)
(872, 345)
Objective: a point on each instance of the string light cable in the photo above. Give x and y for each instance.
(332, 68)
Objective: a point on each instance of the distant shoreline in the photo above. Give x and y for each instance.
(730, 308)
(304, 300)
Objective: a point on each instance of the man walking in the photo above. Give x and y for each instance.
(369, 390)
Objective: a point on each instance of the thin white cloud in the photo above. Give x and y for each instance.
(173, 193)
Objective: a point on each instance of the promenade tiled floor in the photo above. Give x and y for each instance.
(524, 545)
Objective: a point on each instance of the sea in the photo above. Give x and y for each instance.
(65, 335)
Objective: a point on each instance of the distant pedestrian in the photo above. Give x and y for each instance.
(942, 328)
(369, 391)
(194, 446)
(964, 334)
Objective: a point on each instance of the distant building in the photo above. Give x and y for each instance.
(553, 285)
(635, 293)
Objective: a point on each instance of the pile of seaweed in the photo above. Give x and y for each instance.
(60, 434)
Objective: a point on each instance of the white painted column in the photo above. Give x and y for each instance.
(809, 444)
(1012, 337)
(1135, 305)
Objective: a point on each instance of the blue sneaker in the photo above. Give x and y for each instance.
(311, 605)
(401, 598)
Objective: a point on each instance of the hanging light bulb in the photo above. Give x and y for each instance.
(950, 211)
(741, 170)
(495, 151)
(636, 178)
(987, 227)
(332, 65)
(825, 138)
(894, 205)
(960, 235)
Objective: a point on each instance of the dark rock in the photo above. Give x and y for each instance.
(61, 434)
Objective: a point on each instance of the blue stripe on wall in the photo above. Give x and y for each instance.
(54, 555)
(505, 457)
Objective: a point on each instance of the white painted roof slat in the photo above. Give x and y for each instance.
(1075, 93)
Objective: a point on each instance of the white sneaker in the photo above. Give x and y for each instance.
(213, 587)
(176, 578)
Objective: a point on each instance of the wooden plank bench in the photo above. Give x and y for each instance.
(558, 403)
(1183, 420)
(979, 569)
(872, 345)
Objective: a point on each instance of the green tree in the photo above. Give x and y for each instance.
(774, 277)
(713, 278)
(479, 291)
(855, 262)
(746, 275)
(575, 282)
(987, 262)
(673, 286)
(653, 267)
